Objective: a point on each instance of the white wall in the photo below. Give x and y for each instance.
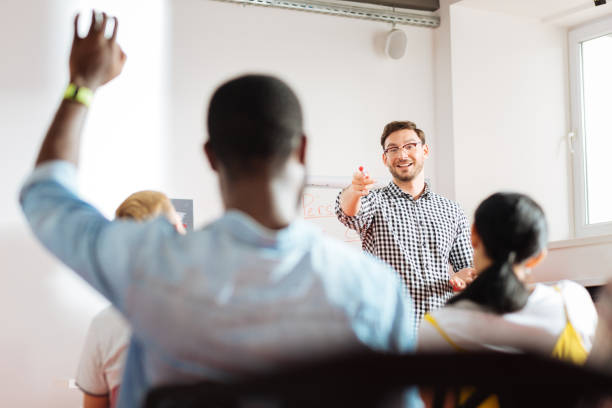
(145, 131)
(443, 104)
(44, 308)
(348, 88)
(509, 111)
(587, 261)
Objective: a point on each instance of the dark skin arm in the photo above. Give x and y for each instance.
(94, 61)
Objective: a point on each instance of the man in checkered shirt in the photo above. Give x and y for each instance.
(407, 225)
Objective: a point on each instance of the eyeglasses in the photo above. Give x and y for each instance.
(394, 151)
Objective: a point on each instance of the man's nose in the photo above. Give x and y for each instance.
(403, 153)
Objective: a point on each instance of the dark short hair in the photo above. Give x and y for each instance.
(400, 125)
(253, 121)
(512, 228)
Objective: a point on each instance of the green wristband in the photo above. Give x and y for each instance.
(80, 94)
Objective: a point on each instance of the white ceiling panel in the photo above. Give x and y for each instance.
(559, 12)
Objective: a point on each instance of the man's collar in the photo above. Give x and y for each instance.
(397, 192)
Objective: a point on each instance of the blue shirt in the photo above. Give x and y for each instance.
(230, 299)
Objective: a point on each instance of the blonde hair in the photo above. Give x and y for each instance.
(144, 205)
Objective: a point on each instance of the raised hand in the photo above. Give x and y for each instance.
(361, 184)
(95, 59)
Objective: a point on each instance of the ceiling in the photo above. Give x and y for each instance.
(565, 13)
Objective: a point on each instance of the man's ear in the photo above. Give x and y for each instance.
(384, 159)
(210, 155)
(425, 150)
(534, 260)
(301, 150)
(475, 238)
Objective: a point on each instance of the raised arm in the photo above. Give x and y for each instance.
(350, 198)
(70, 228)
(94, 61)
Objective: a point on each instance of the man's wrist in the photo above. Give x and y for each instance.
(351, 193)
(347, 196)
(80, 94)
(80, 81)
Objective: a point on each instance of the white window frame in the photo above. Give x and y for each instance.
(576, 37)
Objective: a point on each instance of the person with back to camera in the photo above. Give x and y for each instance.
(407, 225)
(257, 289)
(601, 354)
(600, 357)
(103, 356)
(499, 311)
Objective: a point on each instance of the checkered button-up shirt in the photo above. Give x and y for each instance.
(418, 238)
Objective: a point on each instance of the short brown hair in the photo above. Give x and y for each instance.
(400, 125)
(143, 205)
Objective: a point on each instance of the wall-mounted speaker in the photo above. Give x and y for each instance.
(396, 44)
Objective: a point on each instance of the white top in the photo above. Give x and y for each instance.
(103, 357)
(534, 328)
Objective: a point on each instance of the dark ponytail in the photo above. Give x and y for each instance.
(512, 228)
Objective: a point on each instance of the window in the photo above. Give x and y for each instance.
(590, 52)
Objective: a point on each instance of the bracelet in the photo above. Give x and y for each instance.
(80, 94)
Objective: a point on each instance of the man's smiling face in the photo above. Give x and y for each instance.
(404, 154)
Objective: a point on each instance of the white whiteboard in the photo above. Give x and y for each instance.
(317, 206)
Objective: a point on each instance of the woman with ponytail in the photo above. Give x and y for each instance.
(499, 311)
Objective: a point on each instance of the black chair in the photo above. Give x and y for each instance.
(373, 380)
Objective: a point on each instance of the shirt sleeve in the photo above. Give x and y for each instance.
(363, 219)
(99, 250)
(90, 373)
(462, 254)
